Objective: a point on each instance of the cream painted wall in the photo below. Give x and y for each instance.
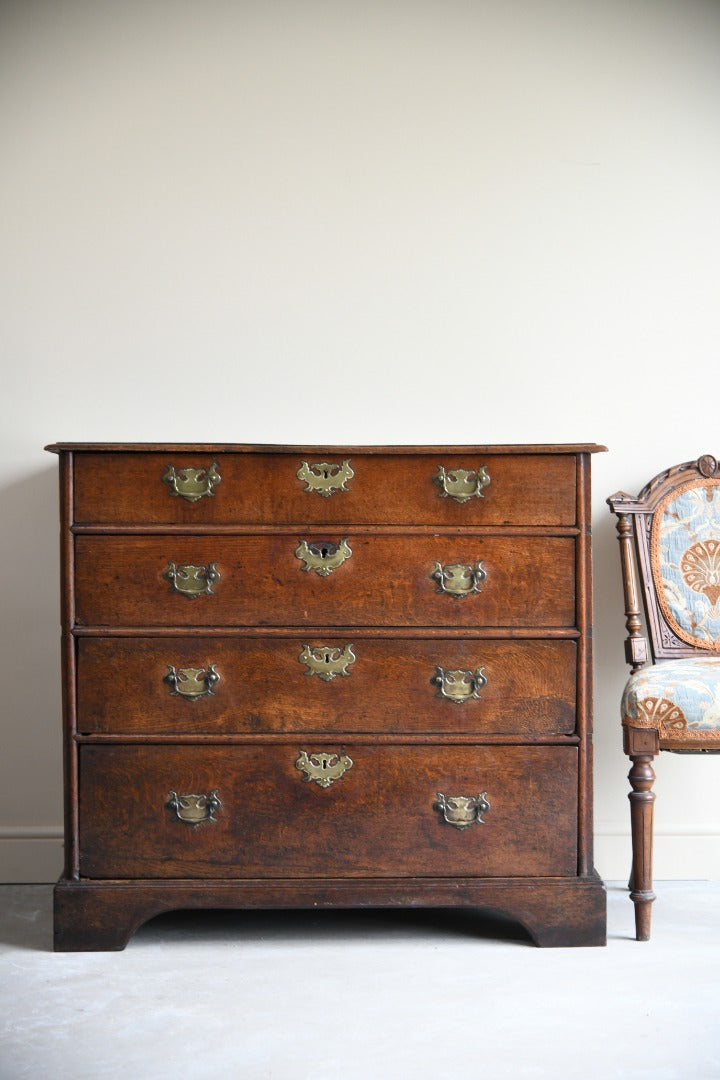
(309, 222)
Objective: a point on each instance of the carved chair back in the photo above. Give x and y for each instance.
(674, 527)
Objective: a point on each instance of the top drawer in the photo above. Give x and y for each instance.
(356, 488)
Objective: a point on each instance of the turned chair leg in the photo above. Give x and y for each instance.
(642, 797)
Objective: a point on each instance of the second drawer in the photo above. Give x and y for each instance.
(180, 685)
(346, 580)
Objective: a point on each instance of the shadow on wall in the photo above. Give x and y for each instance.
(612, 822)
(31, 764)
(611, 671)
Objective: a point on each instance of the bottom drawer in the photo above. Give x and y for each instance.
(381, 817)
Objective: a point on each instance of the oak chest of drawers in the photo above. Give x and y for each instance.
(299, 677)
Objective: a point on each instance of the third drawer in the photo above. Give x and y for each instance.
(222, 684)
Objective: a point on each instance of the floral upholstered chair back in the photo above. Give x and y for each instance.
(685, 561)
(674, 524)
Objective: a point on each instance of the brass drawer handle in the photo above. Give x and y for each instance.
(459, 579)
(322, 767)
(462, 811)
(462, 484)
(190, 483)
(194, 809)
(322, 556)
(324, 478)
(192, 682)
(192, 581)
(459, 686)
(327, 661)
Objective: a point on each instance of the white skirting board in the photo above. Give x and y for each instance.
(684, 853)
(30, 854)
(34, 854)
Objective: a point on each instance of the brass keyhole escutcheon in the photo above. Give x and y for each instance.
(327, 661)
(323, 767)
(322, 556)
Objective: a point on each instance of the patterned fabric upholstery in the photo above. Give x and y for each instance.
(681, 698)
(685, 554)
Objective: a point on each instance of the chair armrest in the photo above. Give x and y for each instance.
(636, 647)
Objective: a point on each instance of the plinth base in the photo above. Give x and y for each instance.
(103, 915)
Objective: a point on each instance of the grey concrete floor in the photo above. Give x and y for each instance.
(345, 995)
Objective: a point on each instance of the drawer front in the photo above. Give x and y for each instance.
(178, 685)
(380, 818)
(255, 488)
(262, 581)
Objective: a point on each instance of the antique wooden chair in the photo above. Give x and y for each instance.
(670, 549)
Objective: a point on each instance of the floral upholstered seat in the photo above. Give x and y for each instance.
(676, 697)
(670, 548)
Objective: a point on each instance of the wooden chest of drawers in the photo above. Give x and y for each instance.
(299, 677)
